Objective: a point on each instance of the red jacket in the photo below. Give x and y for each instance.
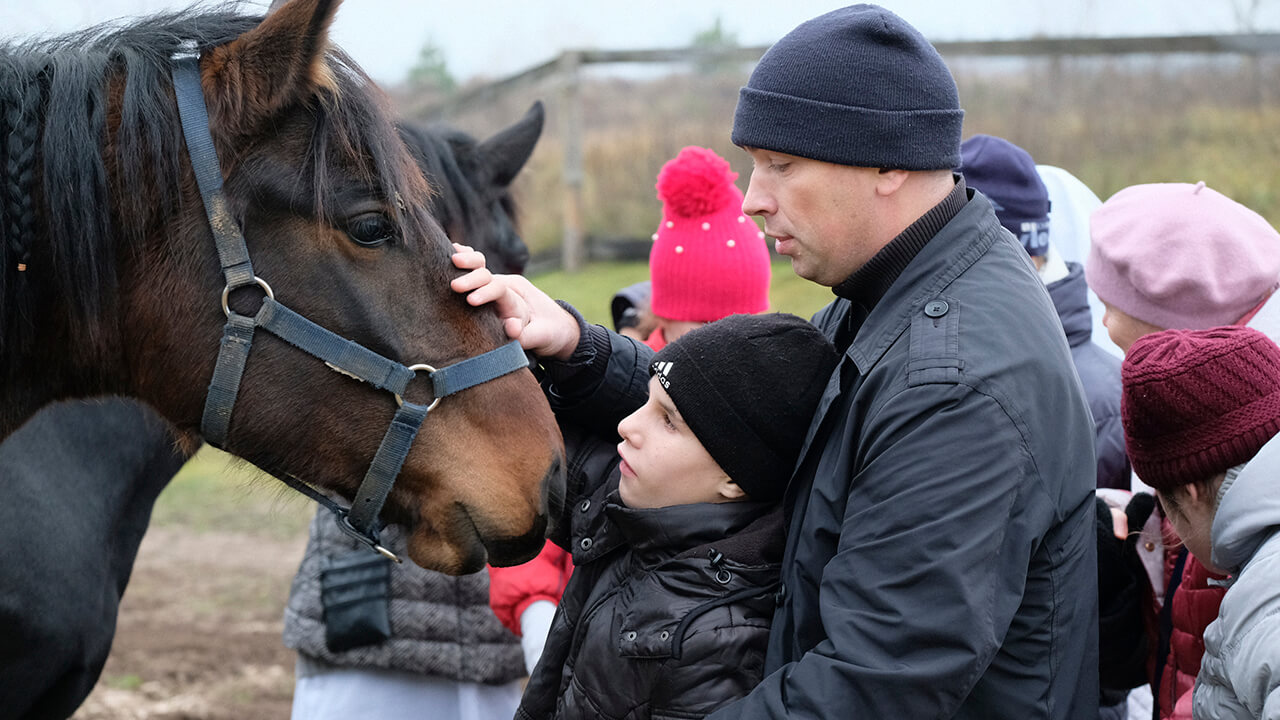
(512, 589)
(656, 340)
(1195, 605)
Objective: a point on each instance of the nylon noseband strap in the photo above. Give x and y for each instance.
(347, 357)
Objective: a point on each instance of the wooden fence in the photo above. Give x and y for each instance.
(565, 73)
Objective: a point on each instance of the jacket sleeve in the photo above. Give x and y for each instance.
(512, 589)
(944, 513)
(606, 379)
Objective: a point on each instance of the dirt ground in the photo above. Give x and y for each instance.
(199, 631)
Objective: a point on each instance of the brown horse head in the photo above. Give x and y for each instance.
(125, 280)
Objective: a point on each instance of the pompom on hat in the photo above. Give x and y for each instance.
(1196, 403)
(708, 259)
(1182, 256)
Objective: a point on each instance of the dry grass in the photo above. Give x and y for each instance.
(1113, 123)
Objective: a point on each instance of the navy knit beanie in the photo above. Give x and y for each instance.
(858, 86)
(1007, 175)
(747, 386)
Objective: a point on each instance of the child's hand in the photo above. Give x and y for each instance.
(528, 314)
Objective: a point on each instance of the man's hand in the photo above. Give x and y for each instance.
(528, 314)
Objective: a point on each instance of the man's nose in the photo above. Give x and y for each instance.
(756, 201)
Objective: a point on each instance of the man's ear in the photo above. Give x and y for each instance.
(280, 62)
(889, 180)
(730, 490)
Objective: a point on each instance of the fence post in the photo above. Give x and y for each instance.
(571, 248)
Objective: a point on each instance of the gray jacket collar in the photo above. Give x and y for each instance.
(1248, 510)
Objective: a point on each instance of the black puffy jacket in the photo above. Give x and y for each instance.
(668, 610)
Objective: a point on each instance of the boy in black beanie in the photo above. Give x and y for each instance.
(677, 535)
(941, 555)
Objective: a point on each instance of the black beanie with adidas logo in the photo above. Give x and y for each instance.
(747, 386)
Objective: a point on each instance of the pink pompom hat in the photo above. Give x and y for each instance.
(708, 260)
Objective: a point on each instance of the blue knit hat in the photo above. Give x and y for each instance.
(857, 86)
(1007, 175)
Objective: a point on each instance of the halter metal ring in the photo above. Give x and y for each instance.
(226, 294)
(416, 368)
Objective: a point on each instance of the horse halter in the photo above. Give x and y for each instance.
(360, 521)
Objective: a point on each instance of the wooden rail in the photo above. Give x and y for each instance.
(565, 70)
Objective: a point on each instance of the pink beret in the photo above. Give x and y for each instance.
(1183, 256)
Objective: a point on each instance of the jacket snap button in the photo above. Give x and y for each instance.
(586, 543)
(631, 635)
(586, 505)
(664, 635)
(936, 309)
(1149, 546)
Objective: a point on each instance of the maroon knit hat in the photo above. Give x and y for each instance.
(1198, 402)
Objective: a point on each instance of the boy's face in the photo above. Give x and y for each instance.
(663, 464)
(1190, 510)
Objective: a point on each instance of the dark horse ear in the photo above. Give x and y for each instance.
(272, 66)
(506, 152)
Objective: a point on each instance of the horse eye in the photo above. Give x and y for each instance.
(371, 230)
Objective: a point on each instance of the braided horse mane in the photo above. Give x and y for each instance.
(90, 158)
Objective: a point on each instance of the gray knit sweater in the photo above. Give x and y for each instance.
(441, 626)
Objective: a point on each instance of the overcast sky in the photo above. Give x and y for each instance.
(497, 37)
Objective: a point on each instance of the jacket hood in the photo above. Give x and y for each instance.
(1248, 509)
(1070, 297)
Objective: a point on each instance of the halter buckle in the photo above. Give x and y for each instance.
(370, 539)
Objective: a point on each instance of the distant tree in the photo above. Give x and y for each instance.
(1246, 12)
(715, 39)
(431, 72)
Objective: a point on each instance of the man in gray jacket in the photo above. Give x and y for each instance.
(940, 556)
(940, 560)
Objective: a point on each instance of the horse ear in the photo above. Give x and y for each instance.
(507, 151)
(273, 65)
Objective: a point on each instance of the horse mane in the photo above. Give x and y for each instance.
(451, 158)
(56, 96)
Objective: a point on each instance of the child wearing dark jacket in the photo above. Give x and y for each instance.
(676, 533)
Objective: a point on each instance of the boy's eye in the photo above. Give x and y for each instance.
(666, 420)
